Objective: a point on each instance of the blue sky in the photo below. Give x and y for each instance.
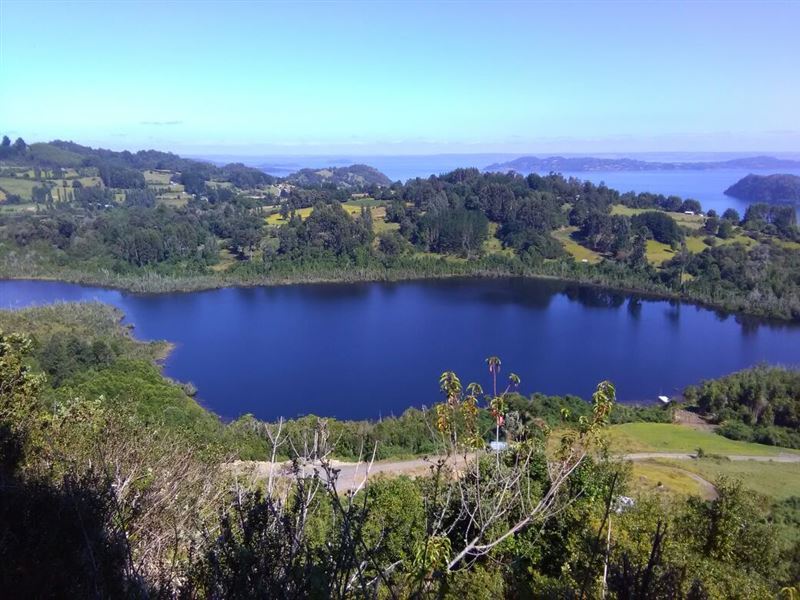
(403, 77)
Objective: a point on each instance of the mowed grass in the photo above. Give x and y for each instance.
(668, 437)
(773, 479)
(580, 253)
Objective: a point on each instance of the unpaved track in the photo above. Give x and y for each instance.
(781, 458)
(352, 475)
(708, 490)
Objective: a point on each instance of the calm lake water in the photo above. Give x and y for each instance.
(366, 350)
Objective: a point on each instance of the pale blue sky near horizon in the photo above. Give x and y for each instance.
(403, 77)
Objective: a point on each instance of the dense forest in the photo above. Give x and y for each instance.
(153, 221)
(115, 483)
(759, 405)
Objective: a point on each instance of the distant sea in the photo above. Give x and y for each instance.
(706, 186)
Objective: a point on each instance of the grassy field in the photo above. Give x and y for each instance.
(176, 199)
(689, 221)
(580, 253)
(19, 186)
(773, 479)
(277, 219)
(363, 201)
(157, 177)
(695, 244)
(23, 187)
(216, 184)
(738, 238)
(352, 207)
(494, 246)
(648, 477)
(226, 260)
(84, 181)
(787, 244)
(658, 253)
(673, 477)
(667, 437)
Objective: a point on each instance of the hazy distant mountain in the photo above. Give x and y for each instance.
(767, 188)
(351, 176)
(533, 164)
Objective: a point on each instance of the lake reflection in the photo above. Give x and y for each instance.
(371, 349)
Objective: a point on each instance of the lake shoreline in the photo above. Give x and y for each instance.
(542, 327)
(155, 285)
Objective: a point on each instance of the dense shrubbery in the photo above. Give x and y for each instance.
(759, 405)
(99, 499)
(661, 226)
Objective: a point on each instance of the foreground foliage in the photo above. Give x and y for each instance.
(116, 485)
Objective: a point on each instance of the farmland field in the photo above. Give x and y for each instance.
(658, 253)
(580, 253)
(19, 186)
(773, 479)
(157, 177)
(352, 207)
(667, 437)
(689, 221)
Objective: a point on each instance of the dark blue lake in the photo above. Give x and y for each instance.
(365, 350)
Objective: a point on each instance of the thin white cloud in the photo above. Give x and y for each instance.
(160, 123)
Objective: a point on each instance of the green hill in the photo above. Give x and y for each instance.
(767, 188)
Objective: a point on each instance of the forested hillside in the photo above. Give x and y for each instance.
(152, 221)
(767, 188)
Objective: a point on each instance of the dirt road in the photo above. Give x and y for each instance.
(352, 475)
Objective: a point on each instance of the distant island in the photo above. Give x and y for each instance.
(340, 177)
(767, 188)
(558, 164)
